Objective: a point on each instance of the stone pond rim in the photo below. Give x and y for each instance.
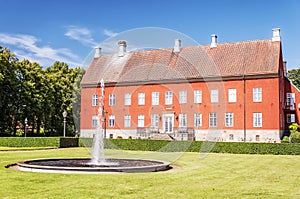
(82, 165)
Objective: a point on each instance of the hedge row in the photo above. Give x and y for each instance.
(158, 145)
(198, 146)
(29, 142)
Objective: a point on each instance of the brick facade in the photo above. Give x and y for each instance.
(255, 112)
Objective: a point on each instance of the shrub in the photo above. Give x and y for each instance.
(295, 137)
(295, 134)
(285, 139)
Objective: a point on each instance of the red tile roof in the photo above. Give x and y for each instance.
(192, 62)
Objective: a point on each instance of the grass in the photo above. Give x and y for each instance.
(211, 176)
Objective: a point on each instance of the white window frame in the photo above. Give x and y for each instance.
(127, 120)
(95, 120)
(155, 98)
(112, 99)
(214, 96)
(154, 120)
(213, 122)
(182, 120)
(257, 94)
(229, 119)
(197, 119)
(168, 98)
(141, 98)
(231, 95)
(290, 118)
(257, 120)
(111, 120)
(95, 99)
(197, 96)
(182, 97)
(127, 99)
(290, 99)
(141, 120)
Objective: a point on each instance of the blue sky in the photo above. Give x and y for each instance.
(65, 30)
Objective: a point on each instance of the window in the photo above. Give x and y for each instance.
(197, 119)
(257, 94)
(169, 98)
(182, 97)
(232, 95)
(127, 120)
(257, 119)
(141, 119)
(95, 100)
(290, 100)
(182, 120)
(94, 121)
(127, 99)
(212, 119)
(155, 98)
(154, 120)
(257, 138)
(290, 118)
(141, 98)
(111, 121)
(197, 96)
(231, 136)
(112, 99)
(229, 119)
(214, 96)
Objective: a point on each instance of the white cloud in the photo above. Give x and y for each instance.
(26, 46)
(109, 33)
(83, 35)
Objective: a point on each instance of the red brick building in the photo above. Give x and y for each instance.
(225, 92)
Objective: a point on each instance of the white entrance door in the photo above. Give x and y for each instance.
(168, 121)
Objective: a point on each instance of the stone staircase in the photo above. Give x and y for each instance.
(161, 136)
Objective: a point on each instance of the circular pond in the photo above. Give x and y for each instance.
(83, 165)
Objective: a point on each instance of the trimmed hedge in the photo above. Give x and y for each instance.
(158, 145)
(29, 141)
(198, 146)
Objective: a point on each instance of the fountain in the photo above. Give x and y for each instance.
(97, 163)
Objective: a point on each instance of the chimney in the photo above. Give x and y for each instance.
(97, 52)
(122, 48)
(276, 34)
(177, 46)
(284, 69)
(213, 41)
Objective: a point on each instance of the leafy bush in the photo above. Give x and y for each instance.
(295, 134)
(285, 139)
(295, 137)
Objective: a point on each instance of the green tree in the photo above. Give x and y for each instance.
(294, 76)
(62, 92)
(8, 87)
(40, 95)
(31, 94)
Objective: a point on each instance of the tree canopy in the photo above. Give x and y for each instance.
(39, 94)
(294, 76)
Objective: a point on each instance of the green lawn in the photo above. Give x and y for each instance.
(212, 176)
